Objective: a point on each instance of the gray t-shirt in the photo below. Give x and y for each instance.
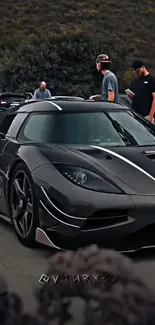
(110, 83)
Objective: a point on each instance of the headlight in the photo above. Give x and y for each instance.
(87, 179)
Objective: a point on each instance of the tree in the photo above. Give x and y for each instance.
(66, 63)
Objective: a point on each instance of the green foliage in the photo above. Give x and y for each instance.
(66, 63)
(58, 41)
(150, 11)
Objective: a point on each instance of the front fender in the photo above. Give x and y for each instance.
(32, 157)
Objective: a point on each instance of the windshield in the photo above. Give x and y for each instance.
(111, 128)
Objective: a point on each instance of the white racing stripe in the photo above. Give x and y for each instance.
(57, 106)
(125, 160)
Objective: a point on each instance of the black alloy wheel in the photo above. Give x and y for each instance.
(23, 205)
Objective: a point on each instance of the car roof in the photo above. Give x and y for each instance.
(56, 98)
(11, 94)
(66, 98)
(69, 106)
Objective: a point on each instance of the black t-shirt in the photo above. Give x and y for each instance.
(143, 87)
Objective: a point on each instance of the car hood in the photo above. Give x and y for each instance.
(132, 168)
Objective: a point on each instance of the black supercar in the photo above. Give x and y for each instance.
(78, 172)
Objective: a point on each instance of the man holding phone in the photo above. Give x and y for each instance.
(142, 91)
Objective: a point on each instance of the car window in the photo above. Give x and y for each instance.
(115, 128)
(77, 128)
(138, 129)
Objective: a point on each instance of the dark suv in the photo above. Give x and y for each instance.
(8, 98)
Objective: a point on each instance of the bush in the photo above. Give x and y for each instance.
(66, 63)
(119, 297)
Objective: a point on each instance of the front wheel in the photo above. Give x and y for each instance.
(23, 205)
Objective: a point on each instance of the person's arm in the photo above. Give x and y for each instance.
(111, 95)
(111, 89)
(152, 110)
(49, 94)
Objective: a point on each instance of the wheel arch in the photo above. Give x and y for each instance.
(13, 166)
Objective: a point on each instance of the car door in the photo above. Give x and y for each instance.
(5, 122)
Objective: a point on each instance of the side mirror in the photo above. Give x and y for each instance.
(2, 136)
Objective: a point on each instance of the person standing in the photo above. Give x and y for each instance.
(143, 88)
(109, 90)
(42, 92)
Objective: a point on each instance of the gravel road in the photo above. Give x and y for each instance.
(22, 267)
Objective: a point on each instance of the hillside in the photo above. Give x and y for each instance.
(125, 29)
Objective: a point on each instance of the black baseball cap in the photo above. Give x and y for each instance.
(137, 64)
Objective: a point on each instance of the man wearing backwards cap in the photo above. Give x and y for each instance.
(143, 88)
(110, 83)
(42, 92)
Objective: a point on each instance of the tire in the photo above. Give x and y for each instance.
(22, 197)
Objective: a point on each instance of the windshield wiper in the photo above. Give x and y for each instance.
(124, 133)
